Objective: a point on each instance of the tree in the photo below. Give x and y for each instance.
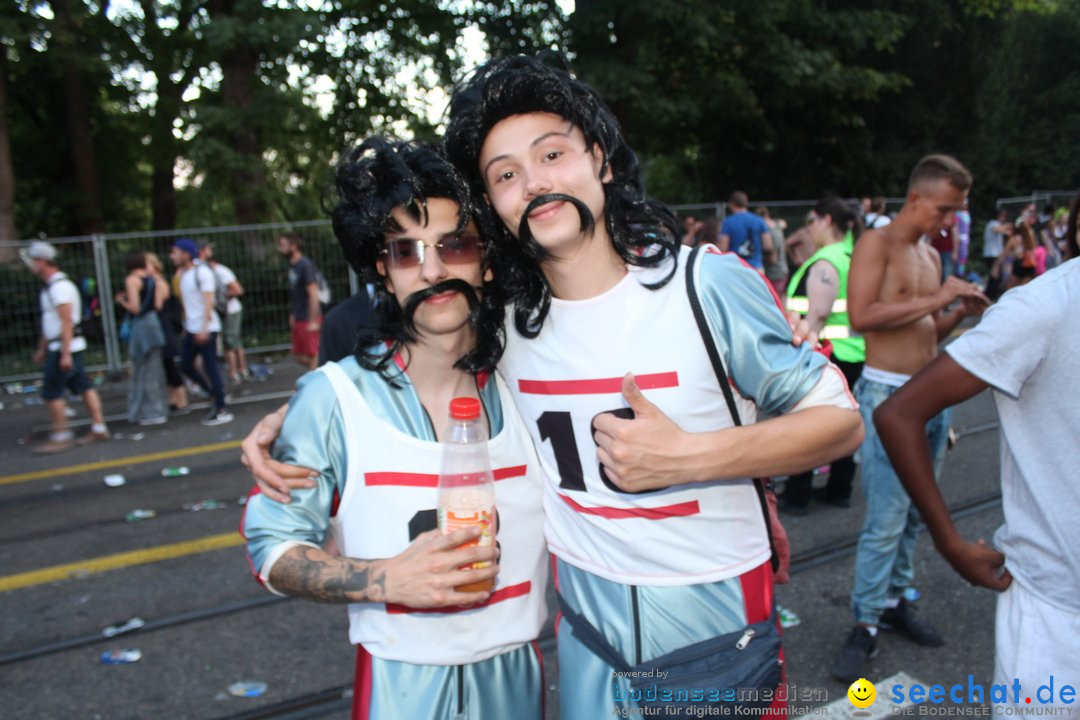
(163, 40)
(7, 170)
(761, 95)
(72, 31)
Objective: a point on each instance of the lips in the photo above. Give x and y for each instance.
(546, 210)
(441, 298)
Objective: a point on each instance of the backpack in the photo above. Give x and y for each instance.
(221, 296)
(323, 287)
(221, 293)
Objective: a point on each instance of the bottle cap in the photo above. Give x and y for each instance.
(464, 408)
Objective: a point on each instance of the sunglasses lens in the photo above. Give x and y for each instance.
(460, 249)
(404, 253)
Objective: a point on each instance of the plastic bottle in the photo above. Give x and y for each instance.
(466, 485)
(171, 472)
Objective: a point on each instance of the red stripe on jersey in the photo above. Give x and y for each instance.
(243, 516)
(598, 386)
(663, 512)
(429, 480)
(507, 593)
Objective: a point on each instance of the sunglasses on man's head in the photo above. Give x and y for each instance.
(453, 250)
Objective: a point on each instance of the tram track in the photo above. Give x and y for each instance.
(322, 702)
(310, 706)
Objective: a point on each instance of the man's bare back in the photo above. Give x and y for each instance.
(895, 296)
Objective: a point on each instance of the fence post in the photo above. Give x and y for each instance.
(108, 312)
(354, 282)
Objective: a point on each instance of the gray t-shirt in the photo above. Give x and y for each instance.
(1027, 347)
(993, 239)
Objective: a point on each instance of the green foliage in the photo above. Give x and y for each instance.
(759, 95)
(252, 100)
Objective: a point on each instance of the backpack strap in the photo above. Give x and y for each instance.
(76, 323)
(149, 299)
(725, 387)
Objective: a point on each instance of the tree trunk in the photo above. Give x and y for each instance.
(239, 71)
(88, 213)
(7, 171)
(239, 68)
(163, 152)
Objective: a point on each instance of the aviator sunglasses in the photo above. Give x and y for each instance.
(453, 250)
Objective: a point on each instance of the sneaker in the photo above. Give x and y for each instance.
(902, 619)
(92, 438)
(154, 421)
(859, 647)
(51, 447)
(175, 411)
(195, 390)
(217, 417)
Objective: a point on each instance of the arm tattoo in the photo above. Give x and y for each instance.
(311, 573)
(825, 277)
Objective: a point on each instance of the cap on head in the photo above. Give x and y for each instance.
(38, 250)
(188, 246)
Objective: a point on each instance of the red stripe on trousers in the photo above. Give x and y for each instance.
(430, 480)
(757, 588)
(361, 703)
(597, 386)
(663, 512)
(507, 593)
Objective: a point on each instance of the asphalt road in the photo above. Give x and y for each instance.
(71, 565)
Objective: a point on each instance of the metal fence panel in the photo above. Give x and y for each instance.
(96, 264)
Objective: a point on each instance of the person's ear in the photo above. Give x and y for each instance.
(380, 267)
(598, 163)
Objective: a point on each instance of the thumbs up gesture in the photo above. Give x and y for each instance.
(646, 452)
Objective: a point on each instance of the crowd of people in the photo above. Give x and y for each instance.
(637, 390)
(175, 329)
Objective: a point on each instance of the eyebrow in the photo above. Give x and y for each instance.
(534, 143)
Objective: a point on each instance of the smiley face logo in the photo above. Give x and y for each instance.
(862, 693)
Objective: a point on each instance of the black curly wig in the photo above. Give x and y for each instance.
(372, 180)
(644, 232)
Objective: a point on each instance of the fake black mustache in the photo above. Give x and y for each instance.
(453, 284)
(537, 251)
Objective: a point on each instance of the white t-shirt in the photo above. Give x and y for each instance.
(875, 221)
(1026, 347)
(191, 293)
(993, 240)
(60, 290)
(225, 277)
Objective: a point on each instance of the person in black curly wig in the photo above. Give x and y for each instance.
(641, 232)
(437, 637)
(655, 523)
(377, 182)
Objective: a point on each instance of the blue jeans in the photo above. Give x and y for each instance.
(883, 559)
(208, 352)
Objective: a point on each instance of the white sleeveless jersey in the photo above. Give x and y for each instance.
(702, 532)
(391, 496)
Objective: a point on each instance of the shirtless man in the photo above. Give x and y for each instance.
(897, 300)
